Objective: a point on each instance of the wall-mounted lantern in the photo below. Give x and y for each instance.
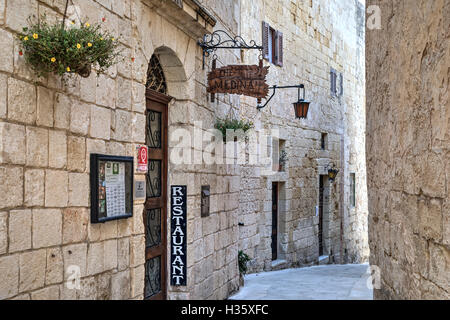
(301, 106)
(332, 171)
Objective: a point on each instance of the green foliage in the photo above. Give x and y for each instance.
(243, 259)
(54, 49)
(232, 124)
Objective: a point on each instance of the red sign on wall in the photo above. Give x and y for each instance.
(142, 158)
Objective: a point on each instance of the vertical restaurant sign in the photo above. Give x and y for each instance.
(178, 222)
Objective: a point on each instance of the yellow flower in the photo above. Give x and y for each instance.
(112, 39)
(87, 25)
(26, 38)
(101, 38)
(78, 46)
(53, 59)
(68, 69)
(72, 22)
(89, 44)
(35, 36)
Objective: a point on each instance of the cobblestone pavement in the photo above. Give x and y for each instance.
(327, 282)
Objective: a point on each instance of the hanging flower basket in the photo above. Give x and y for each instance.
(54, 49)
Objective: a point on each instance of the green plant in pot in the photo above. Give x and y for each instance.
(51, 48)
(232, 124)
(243, 260)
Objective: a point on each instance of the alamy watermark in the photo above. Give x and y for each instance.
(374, 279)
(373, 17)
(198, 146)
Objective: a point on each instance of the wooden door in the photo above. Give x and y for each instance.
(155, 213)
(274, 220)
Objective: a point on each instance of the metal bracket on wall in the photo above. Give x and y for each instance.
(274, 88)
(220, 39)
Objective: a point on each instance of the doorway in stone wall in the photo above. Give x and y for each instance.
(324, 221)
(275, 220)
(155, 213)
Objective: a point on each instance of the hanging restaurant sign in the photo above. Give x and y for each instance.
(178, 261)
(248, 80)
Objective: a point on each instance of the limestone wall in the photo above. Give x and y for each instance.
(318, 36)
(408, 158)
(48, 129)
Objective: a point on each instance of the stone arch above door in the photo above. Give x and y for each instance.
(166, 74)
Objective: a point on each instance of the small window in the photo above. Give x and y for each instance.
(333, 82)
(352, 190)
(272, 45)
(324, 141)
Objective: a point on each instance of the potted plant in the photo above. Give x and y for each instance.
(51, 48)
(283, 159)
(243, 259)
(232, 124)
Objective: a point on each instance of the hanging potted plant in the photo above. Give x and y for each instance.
(54, 49)
(232, 124)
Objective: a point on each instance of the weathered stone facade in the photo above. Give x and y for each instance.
(408, 158)
(49, 128)
(318, 36)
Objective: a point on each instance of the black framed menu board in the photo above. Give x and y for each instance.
(111, 187)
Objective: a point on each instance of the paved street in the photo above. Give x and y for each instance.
(327, 282)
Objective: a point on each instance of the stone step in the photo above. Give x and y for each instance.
(324, 260)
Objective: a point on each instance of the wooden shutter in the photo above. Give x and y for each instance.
(333, 78)
(279, 44)
(276, 47)
(265, 40)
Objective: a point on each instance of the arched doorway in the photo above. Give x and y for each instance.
(166, 81)
(155, 212)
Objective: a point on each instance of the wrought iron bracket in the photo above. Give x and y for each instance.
(220, 39)
(274, 88)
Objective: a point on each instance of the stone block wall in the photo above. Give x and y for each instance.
(408, 158)
(212, 249)
(48, 128)
(318, 36)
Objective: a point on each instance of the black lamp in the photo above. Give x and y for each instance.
(332, 172)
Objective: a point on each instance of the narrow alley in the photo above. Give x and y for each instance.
(327, 282)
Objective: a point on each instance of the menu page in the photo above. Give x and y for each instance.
(115, 188)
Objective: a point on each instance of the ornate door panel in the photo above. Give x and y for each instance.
(155, 212)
